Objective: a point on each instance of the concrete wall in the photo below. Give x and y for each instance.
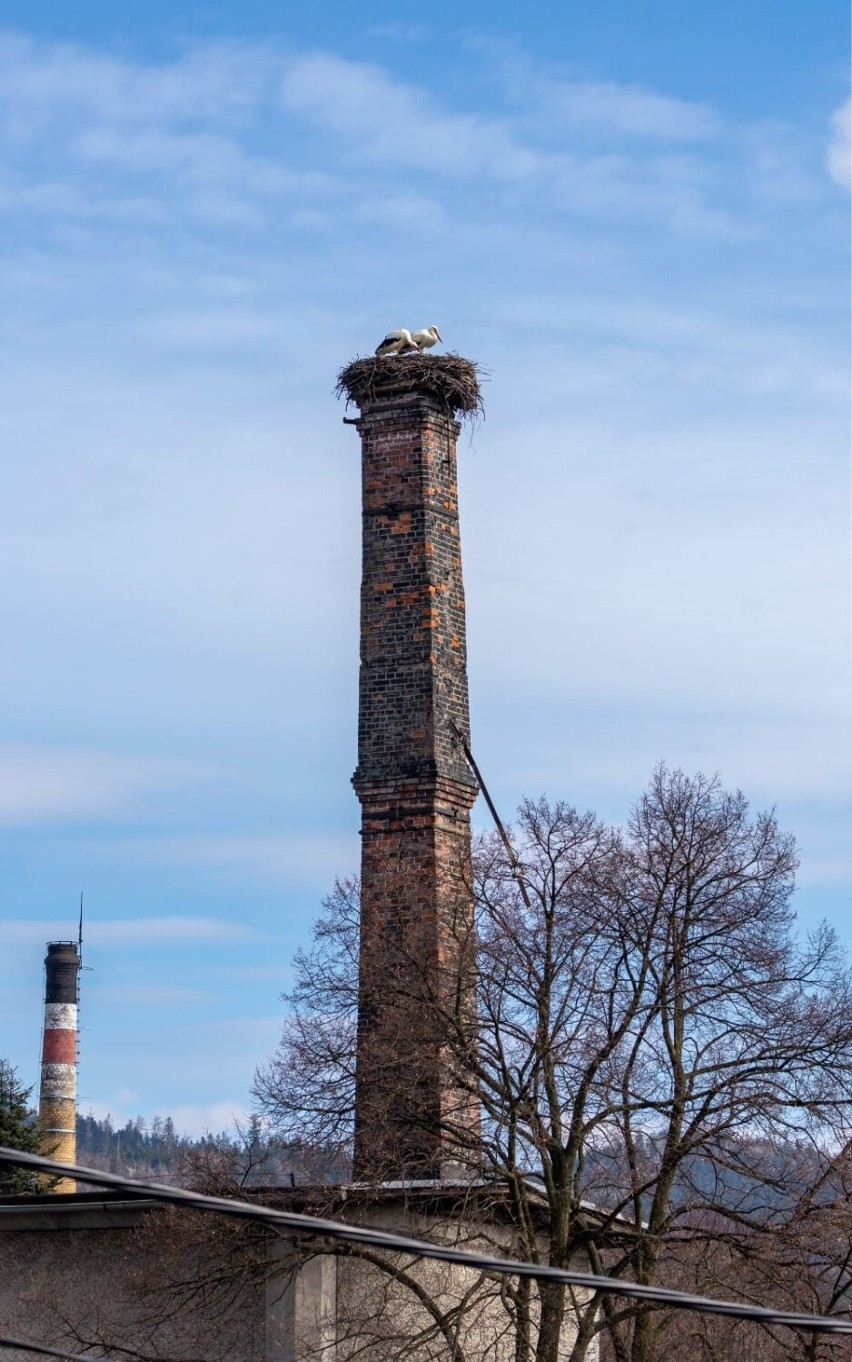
(338, 1307)
(75, 1272)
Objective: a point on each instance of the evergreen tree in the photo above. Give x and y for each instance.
(18, 1130)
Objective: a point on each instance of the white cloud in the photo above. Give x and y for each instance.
(197, 1118)
(184, 133)
(739, 592)
(42, 83)
(286, 859)
(395, 123)
(181, 127)
(839, 155)
(48, 784)
(205, 157)
(57, 200)
(554, 101)
(193, 1119)
(411, 211)
(607, 109)
(180, 1061)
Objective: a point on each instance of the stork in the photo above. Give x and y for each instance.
(424, 340)
(396, 343)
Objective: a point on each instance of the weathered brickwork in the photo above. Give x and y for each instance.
(413, 655)
(416, 791)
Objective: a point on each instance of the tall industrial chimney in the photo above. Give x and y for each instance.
(58, 1092)
(413, 782)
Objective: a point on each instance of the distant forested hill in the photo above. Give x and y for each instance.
(154, 1150)
(140, 1148)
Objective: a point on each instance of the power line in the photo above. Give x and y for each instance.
(397, 1243)
(40, 1349)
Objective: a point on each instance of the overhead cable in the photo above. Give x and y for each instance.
(298, 1223)
(22, 1345)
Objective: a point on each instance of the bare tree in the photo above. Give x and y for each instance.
(801, 1259)
(648, 1024)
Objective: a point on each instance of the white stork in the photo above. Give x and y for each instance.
(396, 343)
(424, 340)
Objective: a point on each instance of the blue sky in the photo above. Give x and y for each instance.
(636, 218)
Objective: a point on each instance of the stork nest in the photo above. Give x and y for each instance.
(449, 379)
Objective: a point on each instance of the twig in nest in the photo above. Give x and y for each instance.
(451, 380)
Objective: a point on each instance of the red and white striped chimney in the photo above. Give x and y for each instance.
(58, 1092)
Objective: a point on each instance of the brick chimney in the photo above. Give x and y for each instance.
(414, 785)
